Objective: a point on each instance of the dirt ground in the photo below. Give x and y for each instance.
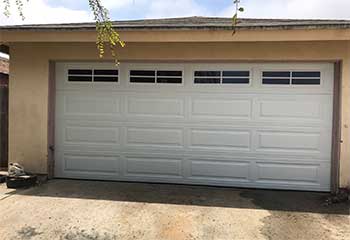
(93, 210)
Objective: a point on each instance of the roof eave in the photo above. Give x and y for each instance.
(175, 28)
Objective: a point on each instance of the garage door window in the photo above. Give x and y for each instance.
(235, 77)
(207, 77)
(105, 75)
(306, 78)
(221, 77)
(80, 75)
(291, 78)
(93, 75)
(156, 76)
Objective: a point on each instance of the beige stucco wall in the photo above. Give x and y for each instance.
(30, 70)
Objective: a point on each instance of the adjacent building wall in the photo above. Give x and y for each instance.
(29, 85)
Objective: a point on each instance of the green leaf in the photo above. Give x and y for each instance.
(241, 9)
(106, 34)
(234, 18)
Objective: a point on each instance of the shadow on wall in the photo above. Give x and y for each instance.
(4, 94)
(293, 201)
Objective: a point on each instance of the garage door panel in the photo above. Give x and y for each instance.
(204, 108)
(220, 139)
(296, 109)
(219, 170)
(82, 134)
(91, 105)
(153, 166)
(92, 135)
(289, 141)
(287, 172)
(155, 107)
(98, 164)
(300, 109)
(157, 137)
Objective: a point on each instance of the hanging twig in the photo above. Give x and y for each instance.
(235, 16)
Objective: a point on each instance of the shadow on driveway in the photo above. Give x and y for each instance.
(293, 201)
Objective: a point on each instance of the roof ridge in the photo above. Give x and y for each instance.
(196, 22)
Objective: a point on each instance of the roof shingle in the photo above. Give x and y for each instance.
(195, 23)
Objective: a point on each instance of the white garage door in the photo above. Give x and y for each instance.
(250, 125)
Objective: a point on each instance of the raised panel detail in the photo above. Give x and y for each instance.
(289, 141)
(220, 139)
(153, 166)
(216, 108)
(91, 106)
(91, 163)
(155, 136)
(290, 109)
(217, 169)
(92, 135)
(155, 107)
(287, 172)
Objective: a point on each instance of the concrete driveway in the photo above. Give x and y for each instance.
(92, 210)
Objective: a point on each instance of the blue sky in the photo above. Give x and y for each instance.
(137, 9)
(59, 11)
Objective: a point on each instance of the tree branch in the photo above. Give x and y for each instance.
(106, 34)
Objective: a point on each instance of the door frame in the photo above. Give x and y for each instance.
(336, 128)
